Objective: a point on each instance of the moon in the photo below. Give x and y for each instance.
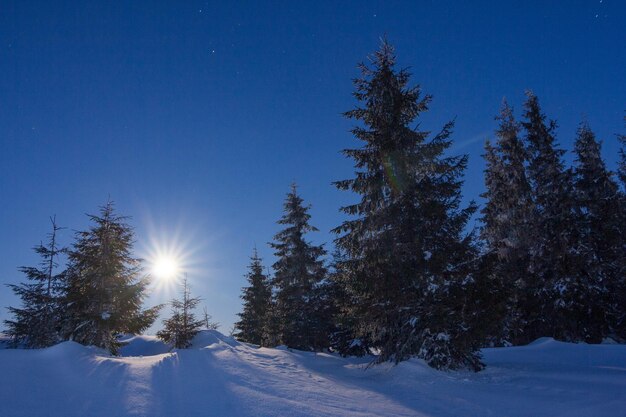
(165, 268)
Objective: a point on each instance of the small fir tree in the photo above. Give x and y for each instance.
(297, 272)
(256, 298)
(182, 326)
(104, 289)
(36, 323)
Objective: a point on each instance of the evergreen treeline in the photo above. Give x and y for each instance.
(410, 278)
(97, 297)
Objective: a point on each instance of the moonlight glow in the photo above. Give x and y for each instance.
(165, 268)
(171, 253)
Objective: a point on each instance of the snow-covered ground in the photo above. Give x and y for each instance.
(222, 377)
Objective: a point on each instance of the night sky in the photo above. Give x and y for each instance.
(195, 116)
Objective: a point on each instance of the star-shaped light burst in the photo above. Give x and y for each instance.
(168, 258)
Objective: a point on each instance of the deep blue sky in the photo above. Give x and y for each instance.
(196, 116)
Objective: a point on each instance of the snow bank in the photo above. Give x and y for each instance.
(219, 376)
(143, 346)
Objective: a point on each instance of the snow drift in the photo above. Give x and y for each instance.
(219, 376)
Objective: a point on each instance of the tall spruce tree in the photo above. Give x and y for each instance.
(104, 290)
(595, 305)
(409, 259)
(257, 298)
(182, 326)
(507, 218)
(554, 264)
(36, 323)
(299, 269)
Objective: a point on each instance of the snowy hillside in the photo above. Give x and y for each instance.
(222, 377)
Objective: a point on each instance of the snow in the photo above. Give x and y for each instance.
(219, 376)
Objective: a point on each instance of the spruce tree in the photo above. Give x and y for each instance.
(182, 326)
(256, 298)
(554, 264)
(36, 323)
(409, 259)
(105, 290)
(299, 269)
(507, 218)
(595, 306)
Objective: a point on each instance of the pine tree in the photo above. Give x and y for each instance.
(409, 260)
(256, 298)
(554, 264)
(104, 290)
(180, 329)
(297, 272)
(36, 323)
(595, 309)
(507, 224)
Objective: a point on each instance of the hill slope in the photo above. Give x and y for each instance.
(219, 376)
